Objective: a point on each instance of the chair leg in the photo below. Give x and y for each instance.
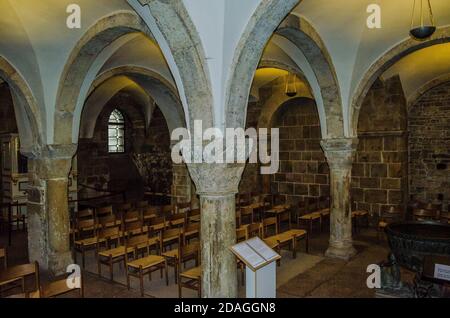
(128, 280)
(111, 268)
(179, 289)
(167, 276)
(83, 257)
(307, 242)
(141, 280)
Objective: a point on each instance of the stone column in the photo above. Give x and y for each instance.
(48, 210)
(340, 153)
(217, 185)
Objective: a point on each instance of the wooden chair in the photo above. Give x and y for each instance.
(86, 214)
(112, 256)
(149, 213)
(170, 237)
(146, 265)
(191, 231)
(177, 220)
(123, 208)
(131, 229)
(183, 207)
(156, 225)
(358, 217)
(106, 221)
(194, 215)
(268, 223)
(108, 236)
(140, 205)
(246, 213)
(238, 219)
(254, 229)
(171, 256)
(393, 214)
(422, 215)
(60, 287)
(192, 279)
(104, 211)
(18, 273)
(167, 210)
(84, 243)
(309, 220)
(132, 216)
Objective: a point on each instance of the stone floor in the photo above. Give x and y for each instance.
(309, 275)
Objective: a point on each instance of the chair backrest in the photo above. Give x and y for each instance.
(241, 234)
(254, 229)
(86, 225)
(168, 233)
(107, 221)
(433, 206)
(132, 216)
(108, 233)
(190, 227)
(124, 207)
(150, 211)
(246, 211)
(286, 217)
(137, 240)
(4, 257)
(183, 207)
(141, 204)
(272, 221)
(324, 202)
(132, 228)
(177, 219)
(85, 214)
(104, 211)
(392, 214)
(311, 204)
(167, 210)
(423, 215)
(187, 250)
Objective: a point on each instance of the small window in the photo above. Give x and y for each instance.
(116, 132)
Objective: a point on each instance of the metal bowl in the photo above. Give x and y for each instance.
(423, 32)
(411, 241)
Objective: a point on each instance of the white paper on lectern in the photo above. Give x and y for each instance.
(250, 255)
(442, 272)
(262, 249)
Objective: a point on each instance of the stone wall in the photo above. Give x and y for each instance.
(7, 115)
(379, 174)
(117, 172)
(429, 142)
(303, 170)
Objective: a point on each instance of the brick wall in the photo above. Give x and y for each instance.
(303, 167)
(379, 174)
(429, 142)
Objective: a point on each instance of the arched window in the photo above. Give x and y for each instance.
(116, 132)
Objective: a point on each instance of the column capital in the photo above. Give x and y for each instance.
(340, 151)
(54, 161)
(216, 179)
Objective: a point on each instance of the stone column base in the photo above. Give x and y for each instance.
(341, 251)
(57, 263)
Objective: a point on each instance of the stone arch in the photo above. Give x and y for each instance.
(248, 54)
(184, 49)
(300, 32)
(155, 85)
(94, 41)
(426, 87)
(408, 46)
(28, 115)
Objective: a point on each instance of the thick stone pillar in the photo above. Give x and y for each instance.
(217, 185)
(340, 153)
(48, 210)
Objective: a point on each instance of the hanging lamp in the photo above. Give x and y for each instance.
(291, 85)
(422, 31)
